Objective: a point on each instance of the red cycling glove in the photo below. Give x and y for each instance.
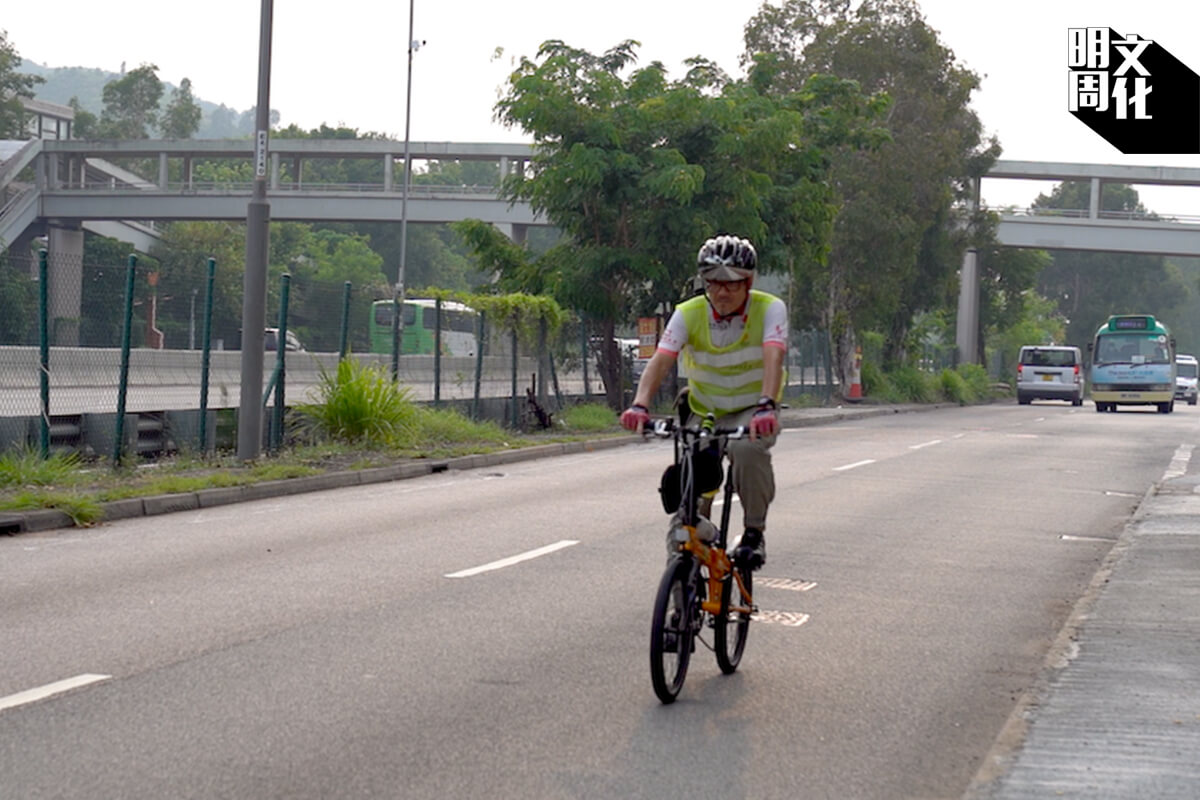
(635, 418)
(765, 421)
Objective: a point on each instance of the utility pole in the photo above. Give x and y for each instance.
(254, 296)
(398, 322)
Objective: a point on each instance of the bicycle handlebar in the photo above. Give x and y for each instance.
(666, 427)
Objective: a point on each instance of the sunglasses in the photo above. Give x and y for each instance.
(728, 286)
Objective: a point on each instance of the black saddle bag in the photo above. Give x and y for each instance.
(708, 479)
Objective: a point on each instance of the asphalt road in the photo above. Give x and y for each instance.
(348, 644)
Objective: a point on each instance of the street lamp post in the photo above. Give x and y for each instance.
(254, 285)
(398, 319)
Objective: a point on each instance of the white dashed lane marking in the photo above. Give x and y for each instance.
(517, 559)
(49, 690)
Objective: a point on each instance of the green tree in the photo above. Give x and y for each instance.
(86, 124)
(102, 308)
(1088, 287)
(183, 254)
(181, 119)
(18, 304)
(13, 86)
(896, 245)
(131, 104)
(636, 170)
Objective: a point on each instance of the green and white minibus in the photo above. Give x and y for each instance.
(1133, 364)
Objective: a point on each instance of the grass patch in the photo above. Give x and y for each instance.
(84, 511)
(588, 418)
(25, 467)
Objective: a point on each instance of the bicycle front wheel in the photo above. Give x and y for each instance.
(671, 634)
(732, 626)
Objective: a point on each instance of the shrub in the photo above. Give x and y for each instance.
(977, 379)
(913, 386)
(874, 381)
(359, 403)
(954, 388)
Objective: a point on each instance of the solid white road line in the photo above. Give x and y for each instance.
(862, 463)
(924, 444)
(42, 692)
(517, 559)
(1179, 463)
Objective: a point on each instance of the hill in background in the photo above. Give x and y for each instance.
(87, 84)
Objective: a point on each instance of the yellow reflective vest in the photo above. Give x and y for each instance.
(724, 380)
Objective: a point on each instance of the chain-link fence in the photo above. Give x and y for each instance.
(120, 356)
(70, 329)
(810, 366)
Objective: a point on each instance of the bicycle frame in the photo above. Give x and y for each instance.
(691, 442)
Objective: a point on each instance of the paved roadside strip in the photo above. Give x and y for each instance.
(1116, 712)
(13, 522)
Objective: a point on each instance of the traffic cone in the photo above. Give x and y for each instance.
(856, 376)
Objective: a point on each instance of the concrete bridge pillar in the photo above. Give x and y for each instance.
(513, 230)
(966, 336)
(966, 339)
(65, 289)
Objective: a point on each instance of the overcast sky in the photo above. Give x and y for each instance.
(345, 62)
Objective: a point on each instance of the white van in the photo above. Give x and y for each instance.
(1187, 371)
(1050, 372)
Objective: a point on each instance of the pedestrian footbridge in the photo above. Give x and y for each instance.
(104, 184)
(54, 188)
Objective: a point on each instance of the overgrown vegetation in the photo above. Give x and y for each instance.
(359, 405)
(25, 467)
(965, 384)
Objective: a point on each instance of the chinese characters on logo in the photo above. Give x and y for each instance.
(1092, 80)
(1132, 92)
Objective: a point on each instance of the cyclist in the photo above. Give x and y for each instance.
(732, 339)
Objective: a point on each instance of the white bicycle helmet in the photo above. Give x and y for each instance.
(726, 258)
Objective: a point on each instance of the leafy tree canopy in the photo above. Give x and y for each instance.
(181, 119)
(637, 170)
(13, 86)
(896, 246)
(131, 104)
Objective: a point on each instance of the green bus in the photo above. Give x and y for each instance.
(1133, 364)
(419, 316)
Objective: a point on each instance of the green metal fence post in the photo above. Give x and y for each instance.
(583, 349)
(344, 348)
(285, 282)
(44, 354)
(437, 352)
(123, 380)
(396, 338)
(543, 354)
(206, 354)
(479, 334)
(515, 403)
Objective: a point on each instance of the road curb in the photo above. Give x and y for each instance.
(49, 519)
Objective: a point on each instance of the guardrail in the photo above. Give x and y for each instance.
(1083, 213)
(84, 379)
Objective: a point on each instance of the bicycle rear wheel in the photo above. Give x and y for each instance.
(731, 626)
(671, 634)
